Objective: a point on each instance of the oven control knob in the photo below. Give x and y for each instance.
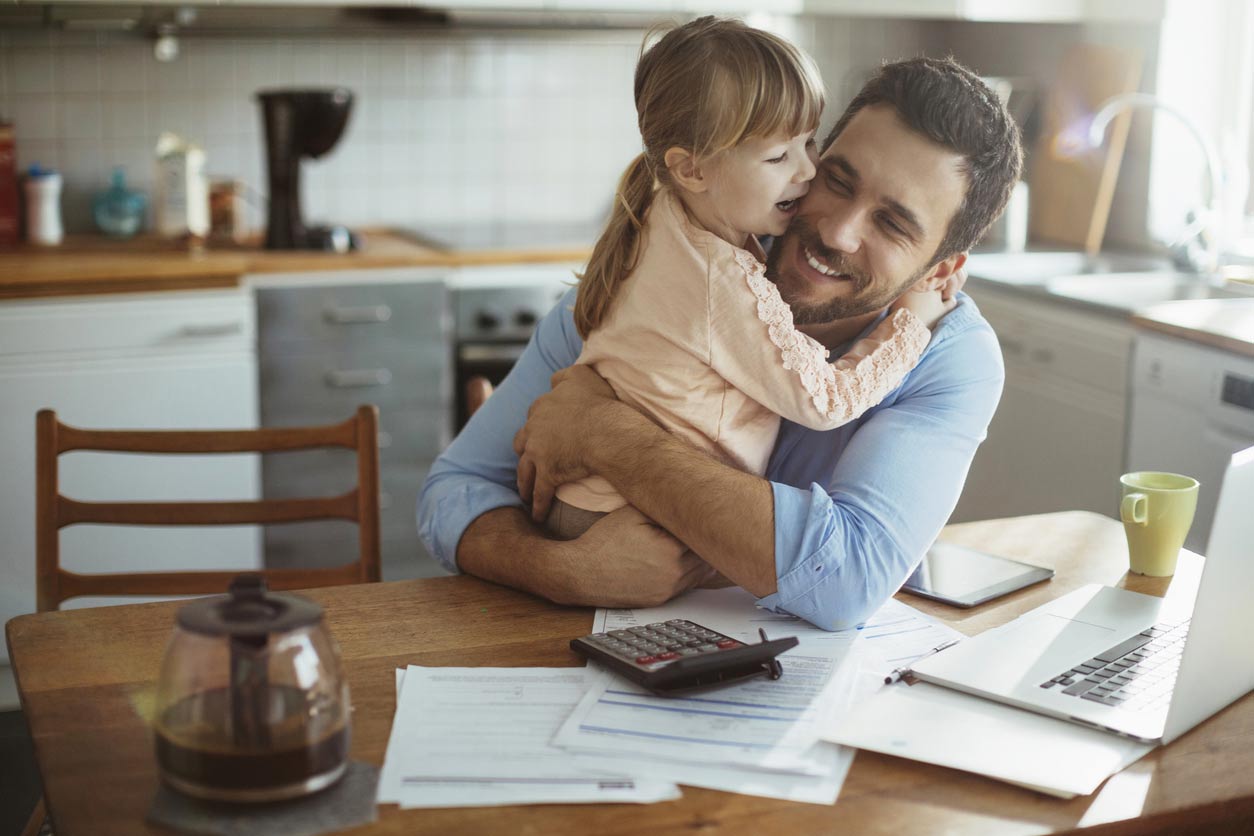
(525, 319)
(487, 321)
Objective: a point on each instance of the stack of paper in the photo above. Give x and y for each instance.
(937, 725)
(481, 736)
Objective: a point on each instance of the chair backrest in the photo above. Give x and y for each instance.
(54, 511)
(478, 389)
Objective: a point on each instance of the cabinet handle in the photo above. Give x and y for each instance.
(1011, 346)
(358, 378)
(364, 315)
(1043, 355)
(212, 329)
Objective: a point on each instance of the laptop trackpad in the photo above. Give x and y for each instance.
(1026, 651)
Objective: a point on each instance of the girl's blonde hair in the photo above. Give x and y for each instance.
(705, 87)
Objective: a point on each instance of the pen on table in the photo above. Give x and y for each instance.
(898, 673)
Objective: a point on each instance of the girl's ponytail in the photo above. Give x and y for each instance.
(704, 87)
(618, 248)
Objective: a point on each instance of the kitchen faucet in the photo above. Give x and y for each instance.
(1197, 249)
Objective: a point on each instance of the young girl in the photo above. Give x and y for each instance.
(675, 307)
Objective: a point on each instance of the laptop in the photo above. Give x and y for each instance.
(1137, 665)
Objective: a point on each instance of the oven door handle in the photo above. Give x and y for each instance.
(480, 353)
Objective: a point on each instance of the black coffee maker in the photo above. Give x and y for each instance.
(301, 123)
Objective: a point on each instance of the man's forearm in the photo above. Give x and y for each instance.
(624, 560)
(723, 514)
(505, 547)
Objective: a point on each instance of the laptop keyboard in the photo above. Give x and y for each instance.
(1138, 673)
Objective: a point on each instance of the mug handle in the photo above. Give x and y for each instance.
(1135, 509)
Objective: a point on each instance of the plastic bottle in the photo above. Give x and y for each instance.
(43, 206)
(182, 190)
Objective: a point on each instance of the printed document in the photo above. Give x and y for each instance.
(759, 723)
(481, 736)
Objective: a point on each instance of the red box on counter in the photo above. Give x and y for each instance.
(8, 186)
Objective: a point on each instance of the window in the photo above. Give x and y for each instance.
(1205, 70)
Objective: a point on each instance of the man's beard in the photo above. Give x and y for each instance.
(859, 301)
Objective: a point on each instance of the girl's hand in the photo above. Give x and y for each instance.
(928, 305)
(953, 284)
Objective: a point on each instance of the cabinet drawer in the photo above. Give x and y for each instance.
(333, 384)
(1059, 341)
(171, 322)
(404, 438)
(1082, 347)
(352, 316)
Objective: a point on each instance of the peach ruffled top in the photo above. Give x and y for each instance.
(699, 339)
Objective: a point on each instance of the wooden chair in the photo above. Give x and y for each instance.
(478, 389)
(53, 511)
(53, 585)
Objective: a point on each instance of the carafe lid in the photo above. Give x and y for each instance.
(248, 611)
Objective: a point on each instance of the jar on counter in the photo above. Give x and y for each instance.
(119, 211)
(43, 206)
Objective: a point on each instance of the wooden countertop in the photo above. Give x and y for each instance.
(95, 264)
(1226, 324)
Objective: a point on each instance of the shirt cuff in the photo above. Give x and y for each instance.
(442, 523)
(802, 565)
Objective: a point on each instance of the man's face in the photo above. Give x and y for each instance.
(873, 218)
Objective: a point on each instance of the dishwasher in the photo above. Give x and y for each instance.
(1192, 407)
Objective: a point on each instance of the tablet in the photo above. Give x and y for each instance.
(964, 577)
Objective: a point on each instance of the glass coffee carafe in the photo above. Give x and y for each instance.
(252, 704)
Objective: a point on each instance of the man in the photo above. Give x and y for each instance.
(919, 165)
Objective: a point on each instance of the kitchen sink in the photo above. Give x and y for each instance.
(1131, 291)
(1040, 267)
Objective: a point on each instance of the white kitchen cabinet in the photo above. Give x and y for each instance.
(178, 360)
(1057, 440)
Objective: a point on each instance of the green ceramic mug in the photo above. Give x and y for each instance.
(1157, 510)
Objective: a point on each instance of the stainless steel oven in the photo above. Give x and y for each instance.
(495, 311)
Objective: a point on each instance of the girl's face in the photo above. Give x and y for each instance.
(755, 187)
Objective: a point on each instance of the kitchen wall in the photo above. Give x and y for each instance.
(449, 127)
(1031, 54)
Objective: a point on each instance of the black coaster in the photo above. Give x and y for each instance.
(347, 803)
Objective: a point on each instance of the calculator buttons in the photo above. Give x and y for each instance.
(653, 646)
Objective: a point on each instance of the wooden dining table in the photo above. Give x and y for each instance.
(86, 677)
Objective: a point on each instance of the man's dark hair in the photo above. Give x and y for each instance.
(950, 105)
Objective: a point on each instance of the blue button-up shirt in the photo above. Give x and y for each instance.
(855, 507)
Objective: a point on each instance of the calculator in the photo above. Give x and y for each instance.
(679, 656)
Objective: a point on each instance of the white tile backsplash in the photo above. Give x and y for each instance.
(447, 127)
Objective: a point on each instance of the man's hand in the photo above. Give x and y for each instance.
(551, 446)
(627, 561)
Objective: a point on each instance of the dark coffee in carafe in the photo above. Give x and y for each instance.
(252, 703)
